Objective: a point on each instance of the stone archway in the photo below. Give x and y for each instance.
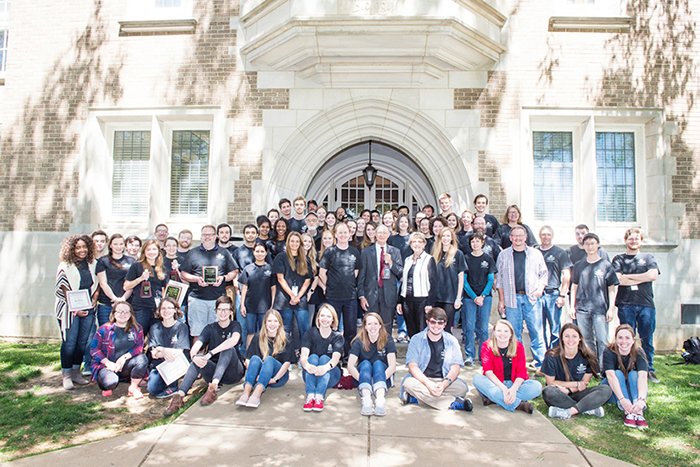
(317, 140)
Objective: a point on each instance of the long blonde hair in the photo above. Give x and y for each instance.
(633, 351)
(159, 259)
(323, 247)
(364, 336)
(280, 340)
(512, 343)
(300, 267)
(311, 254)
(451, 251)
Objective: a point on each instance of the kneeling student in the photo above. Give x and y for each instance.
(434, 360)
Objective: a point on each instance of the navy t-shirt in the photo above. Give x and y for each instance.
(641, 294)
(139, 299)
(259, 280)
(213, 335)
(492, 224)
(447, 279)
(490, 247)
(243, 256)
(556, 260)
(478, 270)
(198, 258)
(317, 345)
(578, 367)
(610, 361)
(341, 266)
(115, 275)
(176, 336)
(593, 280)
(294, 279)
(502, 236)
(577, 253)
(372, 355)
(401, 242)
(286, 355)
(297, 225)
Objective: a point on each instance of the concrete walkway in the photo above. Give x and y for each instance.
(279, 433)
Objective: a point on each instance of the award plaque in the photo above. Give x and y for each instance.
(176, 291)
(210, 274)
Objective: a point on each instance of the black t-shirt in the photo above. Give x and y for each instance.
(198, 258)
(176, 336)
(492, 224)
(502, 236)
(519, 259)
(448, 280)
(294, 279)
(259, 280)
(556, 260)
(153, 286)
(85, 276)
(490, 247)
(214, 335)
(507, 364)
(610, 361)
(243, 256)
(297, 225)
(437, 357)
(123, 341)
(478, 270)
(168, 268)
(115, 275)
(641, 294)
(577, 253)
(286, 355)
(593, 280)
(372, 355)
(401, 242)
(275, 247)
(341, 266)
(578, 367)
(317, 345)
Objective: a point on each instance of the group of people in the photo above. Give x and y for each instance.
(248, 309)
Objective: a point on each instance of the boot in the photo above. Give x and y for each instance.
(77, 378)
(176, 403)
(210, 395)
(67, 381)
(525, 406)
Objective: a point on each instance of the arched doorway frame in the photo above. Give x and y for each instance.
(317, 140)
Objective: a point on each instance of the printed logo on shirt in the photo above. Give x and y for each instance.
(599, 274)
(442, 355)
(329, 349)
(484, 265)
(268, 273)
(131, 336)
(581, 369)
(551, 259)
(225, 335)
(487, 249)
(173, 340)
(641, 262)
(353, 259)
(381, 353)
(219, 256)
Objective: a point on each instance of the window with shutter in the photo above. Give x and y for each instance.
(130, 177)
(553, 175)
(189, 178)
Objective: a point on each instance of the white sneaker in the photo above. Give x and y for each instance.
(380, 407)
(367, 406)
(558, 412)
(597, 412)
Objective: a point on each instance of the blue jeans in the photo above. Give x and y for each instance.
(527, 391)
(475, 318)
(103, 312)
(628, 386)
(260, 372)
(400, 320)
(532, 314)
(372, 376)
(253, 322)
(77, 337)
(302, 321)
(551, 315)
(145, 318)
(87, 358)
(643, 319)
(347, 311)
(595, 331)
(156, 385)
(319, 384)
(244, 325)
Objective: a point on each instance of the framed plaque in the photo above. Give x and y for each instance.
(176, 290)
(210, 274)
(78, 300)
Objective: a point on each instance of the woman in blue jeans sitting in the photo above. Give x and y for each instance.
(321, 350)
(372, 363)
(505, 380)
(169, 338)
(626, 370)
(268, 358)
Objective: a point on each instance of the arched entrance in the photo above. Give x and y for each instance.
(400, 181)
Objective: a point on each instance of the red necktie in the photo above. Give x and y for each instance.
(382, 265)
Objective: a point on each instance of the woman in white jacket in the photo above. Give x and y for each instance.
(418, 286)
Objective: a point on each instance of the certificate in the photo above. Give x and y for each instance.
(210, 274)
(78, 300)
(172, 371)
(176, 290)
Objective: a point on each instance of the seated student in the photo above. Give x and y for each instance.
(321, 349)
(626, 370)
(568, 369)
(434, 360)
(268, 359)
(117, 352)
(221, 363)
(505, 380)
(372, 363)
(168, 339)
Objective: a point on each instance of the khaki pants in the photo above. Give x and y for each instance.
(420, 391)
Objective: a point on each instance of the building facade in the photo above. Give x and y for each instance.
(124, 114)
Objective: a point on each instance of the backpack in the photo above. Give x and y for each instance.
(691, 350)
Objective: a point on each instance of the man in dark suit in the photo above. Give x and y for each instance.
(381, 267)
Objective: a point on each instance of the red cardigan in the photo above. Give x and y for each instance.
(490, 362)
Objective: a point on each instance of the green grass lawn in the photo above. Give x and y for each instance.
(25, 418)
(673, 414)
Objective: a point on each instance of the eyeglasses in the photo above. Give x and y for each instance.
(224, 309)
(122, 312)
(436, 322)
(208, 235)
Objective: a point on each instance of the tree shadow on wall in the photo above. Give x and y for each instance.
(39, 151)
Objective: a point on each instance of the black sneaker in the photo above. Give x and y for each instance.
(462, 404)
(408, 399)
